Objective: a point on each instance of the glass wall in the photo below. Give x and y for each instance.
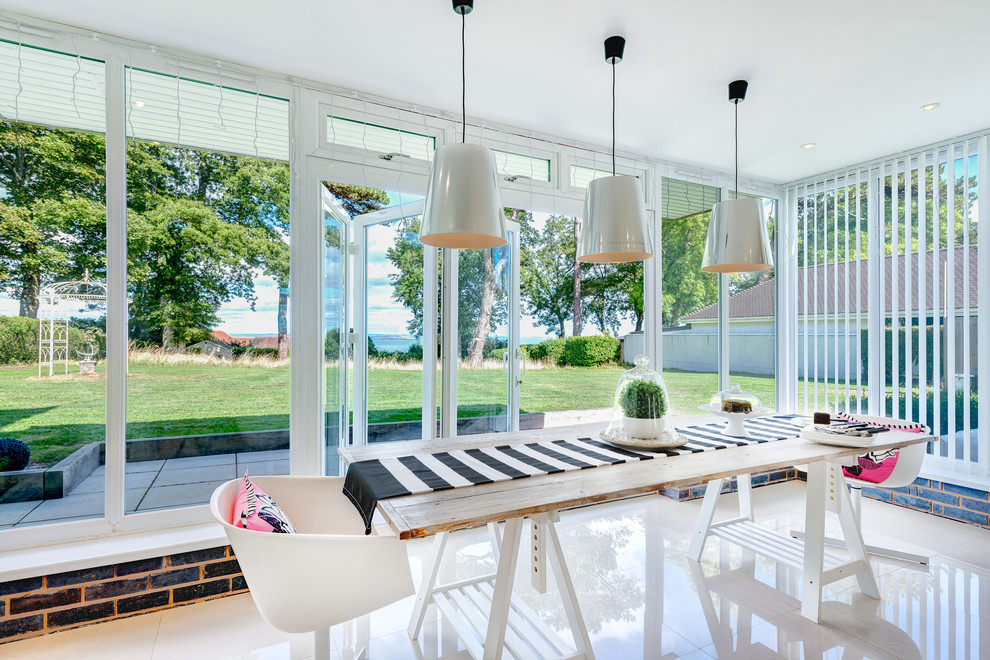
(690, 297)
(52, 283)
(208, 281)
(753, 323)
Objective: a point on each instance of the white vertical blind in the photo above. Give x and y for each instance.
(904, 293)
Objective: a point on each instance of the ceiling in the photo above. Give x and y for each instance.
(847, 75)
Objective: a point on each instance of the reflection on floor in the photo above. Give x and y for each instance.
(148, 485)
(640, 596)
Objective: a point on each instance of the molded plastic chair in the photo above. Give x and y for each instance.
(906, 470)
(328, 573)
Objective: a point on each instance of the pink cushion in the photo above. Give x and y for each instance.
(876, 466)
(255, 509)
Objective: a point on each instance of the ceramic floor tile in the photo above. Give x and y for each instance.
(975, 553)
(225, 628)
(641, 596)
(124, 639)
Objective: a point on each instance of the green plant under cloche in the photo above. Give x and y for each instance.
(14, 455)
(644, 400)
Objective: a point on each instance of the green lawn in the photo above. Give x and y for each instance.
(59, 414)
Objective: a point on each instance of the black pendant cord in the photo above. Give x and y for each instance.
(463, 81)
(613, 117)
(736, 191)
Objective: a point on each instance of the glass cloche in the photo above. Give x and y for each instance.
(735, 405)
(641, 410)
(734, 400)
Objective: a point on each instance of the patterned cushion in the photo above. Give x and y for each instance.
(255, 509)
(876, 466)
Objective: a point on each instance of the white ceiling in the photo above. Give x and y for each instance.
(849, 75)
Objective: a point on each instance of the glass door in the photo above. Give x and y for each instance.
(395, 326)
(487, 338)
(335, 328)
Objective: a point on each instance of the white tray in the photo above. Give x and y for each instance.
(856, 442)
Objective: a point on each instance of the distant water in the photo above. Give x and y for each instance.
(393, 343)
(402, 343)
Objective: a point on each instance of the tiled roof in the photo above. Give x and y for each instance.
(832, 282)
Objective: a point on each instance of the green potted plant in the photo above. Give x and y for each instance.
(644, 406)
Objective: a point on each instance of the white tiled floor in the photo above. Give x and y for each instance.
(640, 596)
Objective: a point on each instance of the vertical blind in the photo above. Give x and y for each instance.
(888, 287)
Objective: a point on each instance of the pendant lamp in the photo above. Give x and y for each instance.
(463, 206)
(615, 227)
(737, 230)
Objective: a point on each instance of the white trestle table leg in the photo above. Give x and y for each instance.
(498, 619)
(745, 488)
(425, 595)
(538, 561)
(567, 594)
(849, 519)
(705, 517)
(814, 543)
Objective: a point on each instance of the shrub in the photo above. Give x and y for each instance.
(898, 408)
(889, 370)
(589, 351)
(498, 353)
(19, 338)
(550, 350)
(643, 400)
(14, 455)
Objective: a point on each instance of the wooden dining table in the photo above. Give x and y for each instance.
(484, 613)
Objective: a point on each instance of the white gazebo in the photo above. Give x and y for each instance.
(56, 301)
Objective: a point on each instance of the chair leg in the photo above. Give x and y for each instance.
(321, 644)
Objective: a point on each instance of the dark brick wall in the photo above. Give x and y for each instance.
(694, 491)
(940, 499)
(35, 606)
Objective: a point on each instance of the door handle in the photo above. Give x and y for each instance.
(522, 360)
(505, 363)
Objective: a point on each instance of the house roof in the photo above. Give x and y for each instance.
(829, 285)
(222, 336)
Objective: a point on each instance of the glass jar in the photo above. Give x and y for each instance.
(640, 410)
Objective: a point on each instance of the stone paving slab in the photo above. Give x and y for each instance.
(149, 485)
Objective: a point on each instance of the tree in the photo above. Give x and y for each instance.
(53, 185)
(547, 272)
(576, 281)
(686, 287)
(185, 263)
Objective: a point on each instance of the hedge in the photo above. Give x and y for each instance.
(902, 344)
(550, 350)
(19, 340)
(900, 411)
(589, 351)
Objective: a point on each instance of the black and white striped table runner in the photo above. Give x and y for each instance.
(378, 479)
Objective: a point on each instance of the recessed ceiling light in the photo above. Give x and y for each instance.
(139, 104)
(929, 106)
(810, 145)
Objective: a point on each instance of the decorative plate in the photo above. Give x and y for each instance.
(666, 441)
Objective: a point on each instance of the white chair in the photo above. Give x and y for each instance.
(328, 573)
(905, 471)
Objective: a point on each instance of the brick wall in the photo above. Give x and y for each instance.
(35, 606)
(940, 499)
(694, 491)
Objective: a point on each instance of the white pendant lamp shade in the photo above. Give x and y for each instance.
(737, 230)
(615, 227)
(737, 238)
(463, 205)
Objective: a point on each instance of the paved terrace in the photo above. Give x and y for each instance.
(149, 485)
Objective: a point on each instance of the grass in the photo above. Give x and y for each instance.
(165, 397)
